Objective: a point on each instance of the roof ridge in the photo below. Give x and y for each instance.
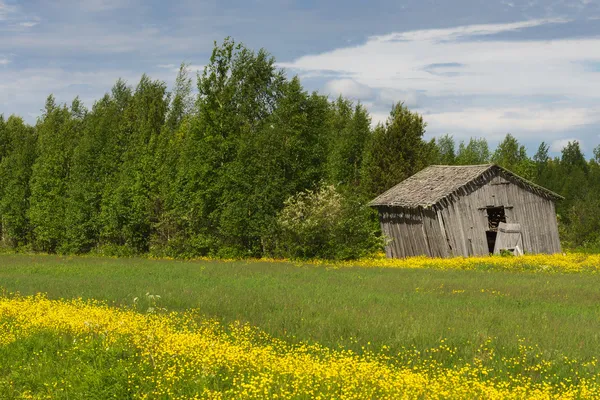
(530, 183)
(460, 166)
(429, 187)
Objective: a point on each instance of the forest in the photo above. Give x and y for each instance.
(246, 164)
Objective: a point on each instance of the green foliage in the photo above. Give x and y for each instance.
(475, 152)
(395, 151)
(96, 160)
(57, 131)
(446, 154)
(127, 204)
(506, 253)
(220, 174)
(596, 153)
(584, 222)
(19, 153)
(350, 130)
(582, 209)
(165, 223)
(325, 224)
(182, 102)
(572, 157)
(541, 160)
(513, 156)
(286, 156)
(4, 141)
(573, 181)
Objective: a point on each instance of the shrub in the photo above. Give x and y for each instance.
(324, 223)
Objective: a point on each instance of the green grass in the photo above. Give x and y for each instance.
(46, 364)
(350, 307)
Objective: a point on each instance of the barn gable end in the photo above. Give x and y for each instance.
(454, 211)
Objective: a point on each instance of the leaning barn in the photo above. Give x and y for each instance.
(446, 211)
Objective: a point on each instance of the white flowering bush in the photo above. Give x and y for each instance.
(324, 223)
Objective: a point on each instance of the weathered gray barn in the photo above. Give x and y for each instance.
(445, 211)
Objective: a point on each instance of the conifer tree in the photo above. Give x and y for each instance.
(395, 151)
(511, 155)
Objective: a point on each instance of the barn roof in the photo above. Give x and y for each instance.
(438, 182)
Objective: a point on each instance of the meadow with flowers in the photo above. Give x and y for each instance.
(493, 327)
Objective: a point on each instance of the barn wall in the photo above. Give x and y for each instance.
(465, 227)
(537, 217)
(466, 220)
(457, 227)
(412, 233)
(436, 236)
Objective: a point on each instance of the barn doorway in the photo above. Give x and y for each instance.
(495, 215)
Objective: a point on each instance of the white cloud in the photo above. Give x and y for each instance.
(28, 24)
(356, 91)
(4, 61)
(404, 61)
(448, 34)
(453, 63)
(560, 144)
(494, 123)
(388, 97)
(348, 88)
(499, 121)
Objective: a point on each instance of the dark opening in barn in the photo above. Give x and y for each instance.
(495, 215)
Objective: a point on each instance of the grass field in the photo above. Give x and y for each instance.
(533, 328)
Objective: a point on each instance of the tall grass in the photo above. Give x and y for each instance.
(354, 308)
(83, 349)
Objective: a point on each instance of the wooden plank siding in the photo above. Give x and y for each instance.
(457, 225)
(412, 232)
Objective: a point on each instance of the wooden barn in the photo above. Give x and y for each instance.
(445, 211)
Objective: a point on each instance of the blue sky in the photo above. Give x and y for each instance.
(471, 67)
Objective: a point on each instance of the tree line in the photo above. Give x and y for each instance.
(248, 165)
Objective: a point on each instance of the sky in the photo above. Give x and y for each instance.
(472, 68)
